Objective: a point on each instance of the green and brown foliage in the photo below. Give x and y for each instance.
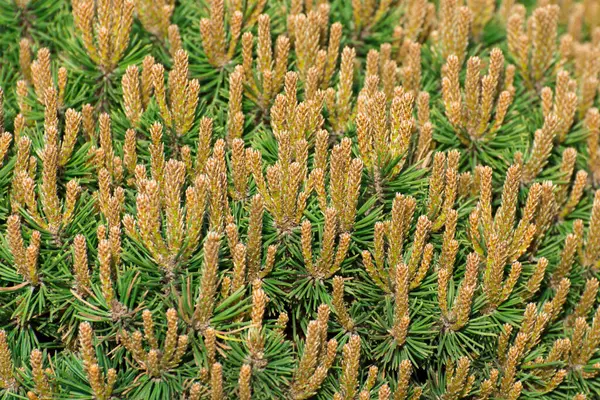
(299, 199)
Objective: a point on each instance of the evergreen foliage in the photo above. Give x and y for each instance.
(299, 199)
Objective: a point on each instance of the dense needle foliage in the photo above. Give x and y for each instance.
(298, 199)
